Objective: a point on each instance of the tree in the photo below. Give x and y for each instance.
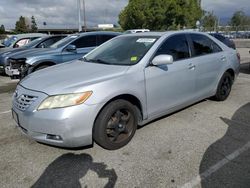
(2, 29)
(33, 25)
(21, 26)
(239, 20)
(209, 21)
(160, 14)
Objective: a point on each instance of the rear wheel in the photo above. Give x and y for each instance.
(224, 87)
(115, 125)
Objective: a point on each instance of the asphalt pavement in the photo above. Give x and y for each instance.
(205, 145)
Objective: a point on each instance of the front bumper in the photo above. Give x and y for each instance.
(11, 72)
(73, 125)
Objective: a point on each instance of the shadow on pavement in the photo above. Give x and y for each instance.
(245, 68)
(68, 169)
(229, 157)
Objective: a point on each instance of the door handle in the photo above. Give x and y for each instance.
(223, 58)
(191, 66)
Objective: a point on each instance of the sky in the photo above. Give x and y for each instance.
(63, 13)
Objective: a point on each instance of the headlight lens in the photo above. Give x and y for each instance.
(60, 101)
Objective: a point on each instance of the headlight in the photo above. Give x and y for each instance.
(60, 101)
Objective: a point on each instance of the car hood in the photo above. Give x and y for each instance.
(70, 77)
(33, 52)
(8, 51)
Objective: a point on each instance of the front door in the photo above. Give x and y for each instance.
(170, 85)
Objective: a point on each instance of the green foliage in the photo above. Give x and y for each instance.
(21, 26)
(239, 19)
(2, 29)
(33, 25)
(209, 21)
(160, 14)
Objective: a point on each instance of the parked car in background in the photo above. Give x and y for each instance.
(70, 48)
(136, 31)
(42, 42)
(230, 43)
(130, 80)
(16, 41)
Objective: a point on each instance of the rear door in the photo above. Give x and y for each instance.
(208, 59)
(170, 85)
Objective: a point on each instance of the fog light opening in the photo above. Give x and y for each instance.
(54, 137)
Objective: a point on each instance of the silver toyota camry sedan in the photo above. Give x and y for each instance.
(128, 81)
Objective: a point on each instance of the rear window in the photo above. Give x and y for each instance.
(203, 45)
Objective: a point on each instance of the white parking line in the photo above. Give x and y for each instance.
(197, 180)
(6, 112)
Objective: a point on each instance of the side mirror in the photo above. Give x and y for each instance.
(163, 60)
(42, 45)
(71, 48)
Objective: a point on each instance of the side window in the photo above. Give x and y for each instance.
(216, 47)
(177, 46)
(203, 45)
(21, 43)
(85, 42)
(103, 38)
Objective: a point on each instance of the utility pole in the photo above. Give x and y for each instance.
(84, 16)
(79, 16)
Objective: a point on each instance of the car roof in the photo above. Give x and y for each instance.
(165, 33)
(51, 36)
(98, 33)
(19, 36)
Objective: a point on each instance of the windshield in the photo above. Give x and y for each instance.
(128, 32)
(33, 43)
(64, 41)
(9, 41)
(126, 50)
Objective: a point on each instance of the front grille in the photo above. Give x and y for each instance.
(24, 101)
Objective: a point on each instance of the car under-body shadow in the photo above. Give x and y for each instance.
(245, 68)
(226, 163)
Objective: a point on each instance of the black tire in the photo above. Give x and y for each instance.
(224, 87)
(41, 67)
(115, 125)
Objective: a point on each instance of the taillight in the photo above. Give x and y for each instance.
(238, 56)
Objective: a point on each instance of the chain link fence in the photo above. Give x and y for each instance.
(241, 32)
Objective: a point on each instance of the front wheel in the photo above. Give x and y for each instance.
(224, 87)
(41, 67)
(115, 125)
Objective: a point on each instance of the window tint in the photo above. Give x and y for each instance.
(104, 38)
(177, 46)
(85, 42)
(203, 45)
